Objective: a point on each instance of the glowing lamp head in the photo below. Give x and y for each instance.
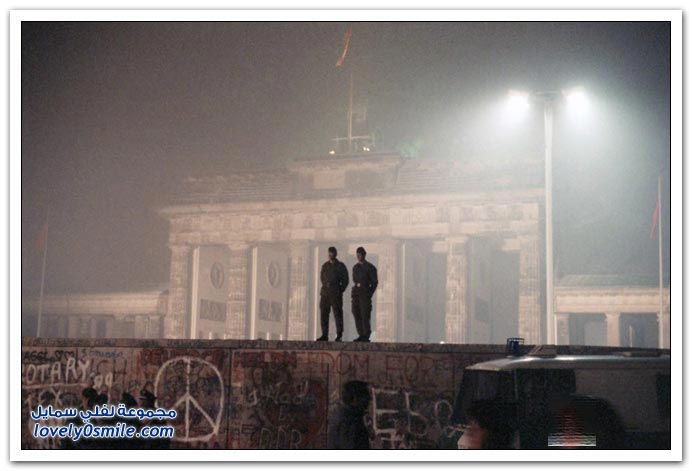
(577, 100)
(518, 100)
(516, 106)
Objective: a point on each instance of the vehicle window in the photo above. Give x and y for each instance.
(538, 388)
(481, 386)
(631, 391)
(539, 392)
(536, 383)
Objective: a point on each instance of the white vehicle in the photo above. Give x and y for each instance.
(538, 389)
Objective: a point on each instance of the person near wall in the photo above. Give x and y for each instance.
(364, 286)
(147, 401)
(347, 430)
(491, 425)
(334, 277)
(89, 395)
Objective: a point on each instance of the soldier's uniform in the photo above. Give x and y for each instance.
(334, 278)
(364, 286)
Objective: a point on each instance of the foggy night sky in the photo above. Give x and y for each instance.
(115, 114)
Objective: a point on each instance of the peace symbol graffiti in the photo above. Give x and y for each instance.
(194, 388)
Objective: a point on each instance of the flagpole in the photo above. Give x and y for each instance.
(43, 279)
(350, 116)
(339, 63)
(660, 266)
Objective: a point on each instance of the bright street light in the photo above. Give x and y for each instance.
(519, 103)
(577, 101)
(518, 100)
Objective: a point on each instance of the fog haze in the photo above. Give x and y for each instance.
(115, 114)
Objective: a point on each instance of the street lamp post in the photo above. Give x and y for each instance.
(548, 99)
(520, 101)
(576, 99)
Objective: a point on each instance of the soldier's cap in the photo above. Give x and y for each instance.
(332, 250)
(361, 250)
(144, 394)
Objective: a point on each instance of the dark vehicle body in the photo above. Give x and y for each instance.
(627, 399)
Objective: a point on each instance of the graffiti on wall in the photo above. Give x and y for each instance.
(256, 398)
(283, 399)
(280, 401)
(402, 419)
(194, 388)
(191, 380)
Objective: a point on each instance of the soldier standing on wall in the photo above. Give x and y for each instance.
(334, 278)
(364, 286)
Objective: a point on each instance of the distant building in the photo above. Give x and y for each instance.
(459, 249)
(136, 314)
(614, 310)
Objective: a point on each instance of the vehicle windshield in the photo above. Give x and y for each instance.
(478, 385)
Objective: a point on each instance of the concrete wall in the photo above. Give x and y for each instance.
(260, 394)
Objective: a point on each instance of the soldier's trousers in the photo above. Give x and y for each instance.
(361, 307)
(333, 302)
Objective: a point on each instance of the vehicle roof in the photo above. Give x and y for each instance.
(574, 361)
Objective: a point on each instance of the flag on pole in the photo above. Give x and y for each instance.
(347, 40)
(42, 238)
(654, 217)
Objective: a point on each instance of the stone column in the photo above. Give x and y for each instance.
(142, 327)
(531, 313)
(154, 327)
(562, 319)
(385, 327)
(156, 324)
(298, 303)
(85, 327)
(457, 276)
(72, 326)
(613, 329)
(236, 320)
(179, 293)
